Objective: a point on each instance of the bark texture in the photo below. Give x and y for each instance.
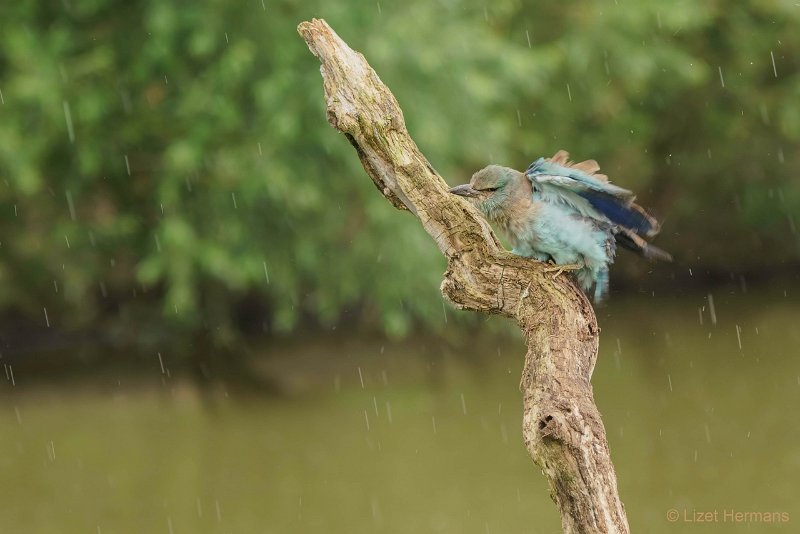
(562, 428)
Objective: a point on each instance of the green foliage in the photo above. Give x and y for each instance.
(175, 156)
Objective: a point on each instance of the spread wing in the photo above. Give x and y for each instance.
(579, 187)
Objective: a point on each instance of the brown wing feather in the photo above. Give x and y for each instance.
(628, 239)
(589, 166)
(560, 158)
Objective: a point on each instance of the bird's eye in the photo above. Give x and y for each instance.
(490, 189)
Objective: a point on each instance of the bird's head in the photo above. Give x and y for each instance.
(489, 188)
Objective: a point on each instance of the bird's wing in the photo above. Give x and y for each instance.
(575, 177)
(578, 186)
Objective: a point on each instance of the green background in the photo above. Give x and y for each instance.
(212, 322)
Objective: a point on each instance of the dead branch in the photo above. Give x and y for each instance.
(561, 426)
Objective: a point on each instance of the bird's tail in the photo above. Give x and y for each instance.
(587, 278)
(601, 286)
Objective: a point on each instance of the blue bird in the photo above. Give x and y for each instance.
(566, 213)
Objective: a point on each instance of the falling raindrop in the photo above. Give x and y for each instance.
(125, 97)
(711, 309)
(68, 118)
(376, 511)
(70, 205)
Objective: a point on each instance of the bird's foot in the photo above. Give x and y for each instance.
(558, 269)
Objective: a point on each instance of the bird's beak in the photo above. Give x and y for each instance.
(464, 190)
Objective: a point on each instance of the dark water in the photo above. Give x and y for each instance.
(413, 437)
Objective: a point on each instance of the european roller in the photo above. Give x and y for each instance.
(565, 213)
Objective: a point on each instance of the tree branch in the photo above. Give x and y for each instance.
(561, 425)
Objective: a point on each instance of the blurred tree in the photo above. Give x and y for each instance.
(174, 156)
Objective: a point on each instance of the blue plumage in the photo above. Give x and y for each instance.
(574, 178)
(566, 213)
(618, 213)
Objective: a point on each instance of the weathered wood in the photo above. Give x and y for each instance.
(561, 425)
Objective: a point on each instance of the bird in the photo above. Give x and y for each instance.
(564, 213)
